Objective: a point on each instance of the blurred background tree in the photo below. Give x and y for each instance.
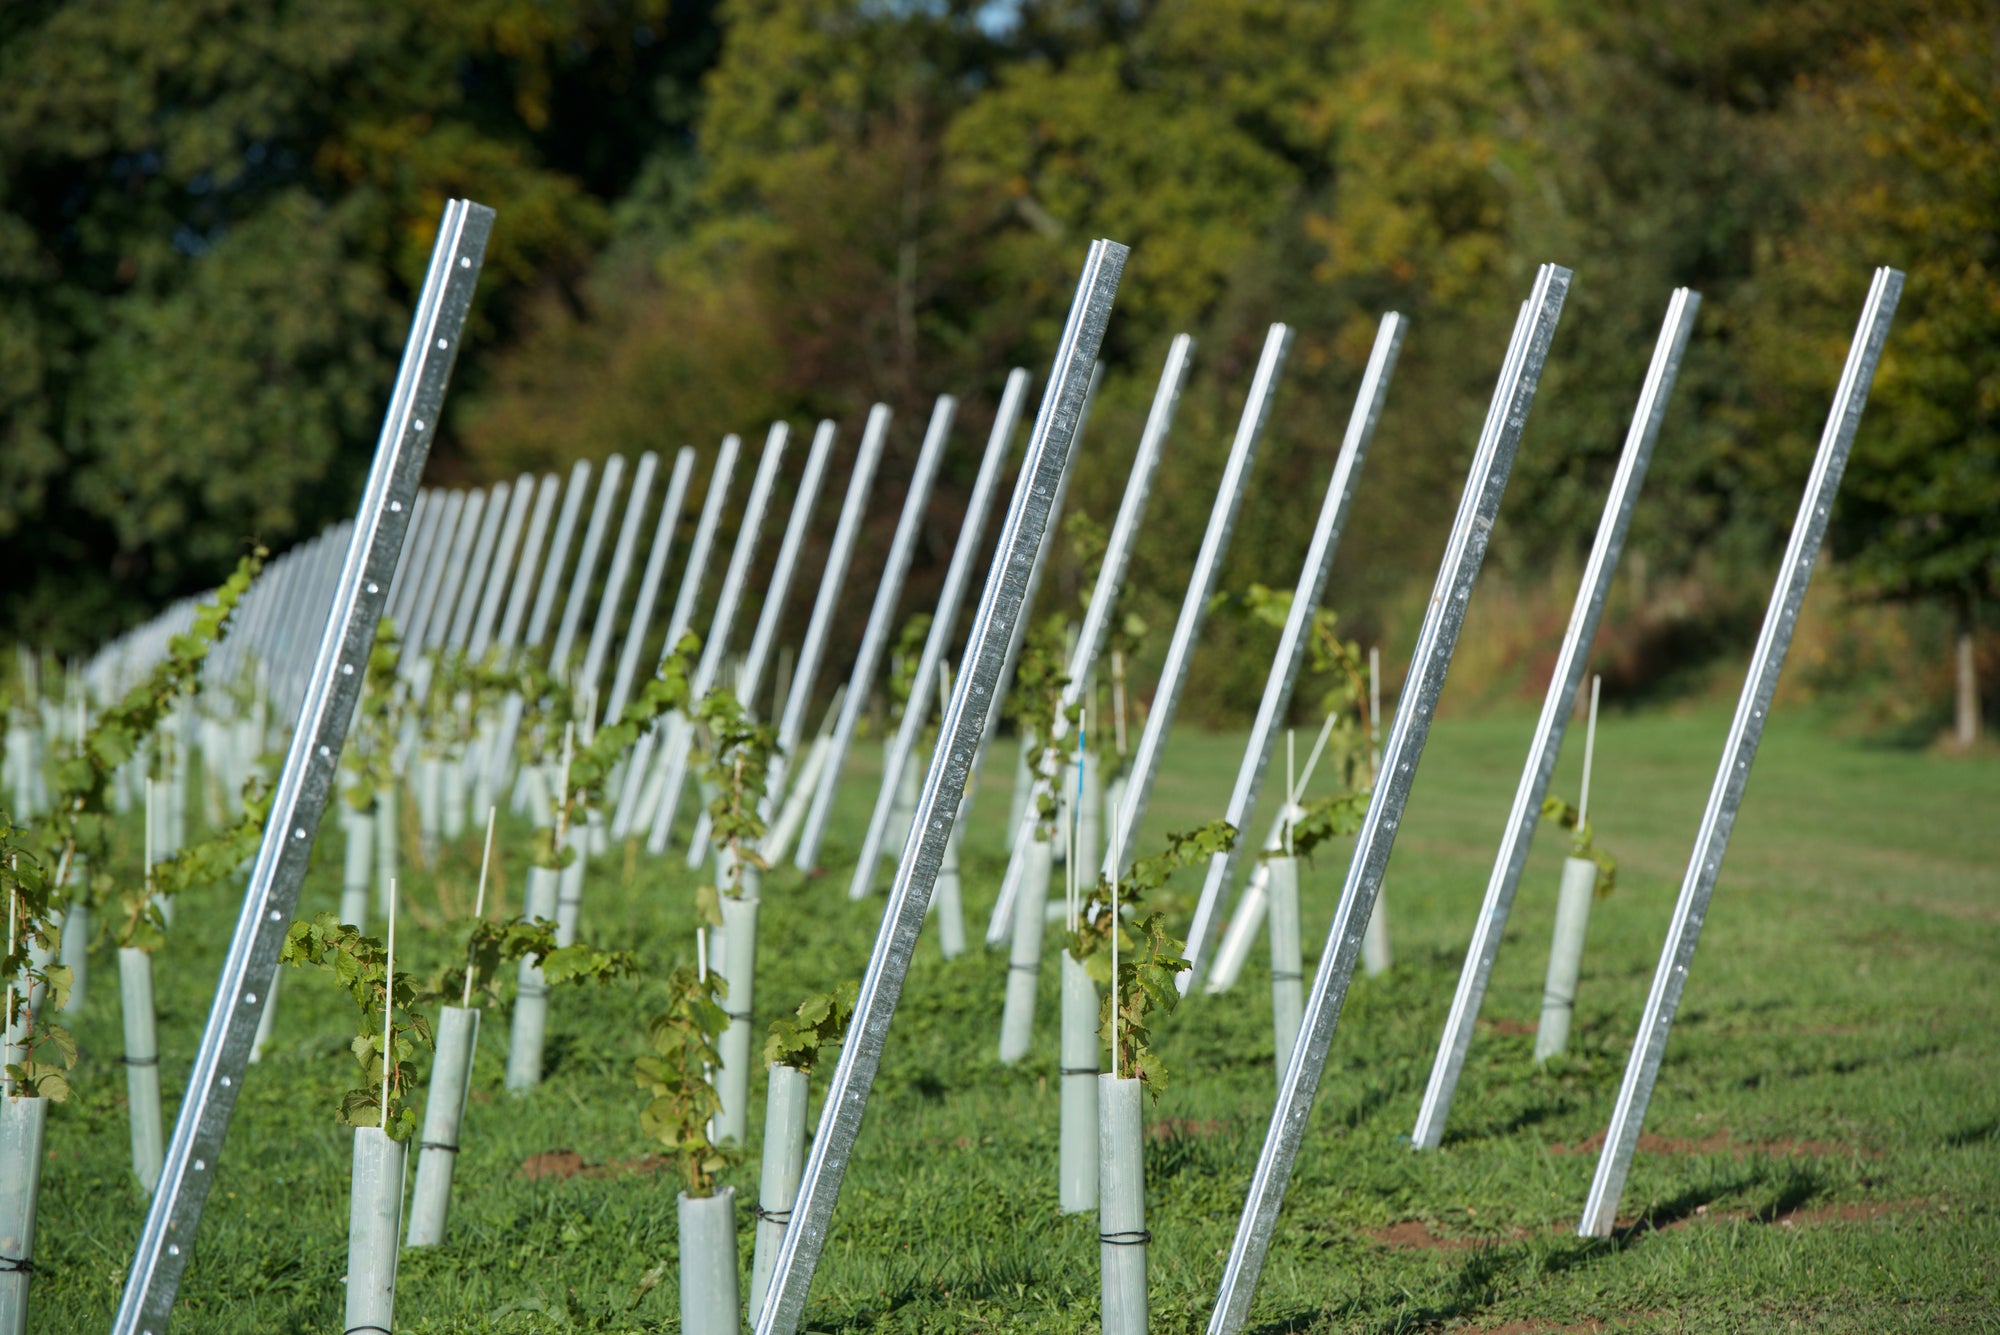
(213, 216)
(713, 217)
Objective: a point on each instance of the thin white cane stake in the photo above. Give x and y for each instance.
(1291, 783)
(562, 798)
(1118, 699)
(13, 912)
(389, 1008)
(1069, 879)
(1074, 876)
(1069, 874)
(1312, 757)
(1374, 712)
(701, 953)
(149, 840)
(1589, 746)
(1117, 861)
(479, 901)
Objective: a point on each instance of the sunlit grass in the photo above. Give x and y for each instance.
(1828, 1117)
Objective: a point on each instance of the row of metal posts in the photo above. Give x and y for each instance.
(454, 552)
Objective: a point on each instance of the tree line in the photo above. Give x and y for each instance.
(718, 212)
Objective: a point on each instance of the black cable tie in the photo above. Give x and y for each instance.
(1079, 1070)
(437, 1145)
(369, 1330)
(16, 1265)
(738, 1015)
(782, 1218)
(140, 1061)
(1137, 1238)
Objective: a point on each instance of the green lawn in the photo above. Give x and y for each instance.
(1823, 1151)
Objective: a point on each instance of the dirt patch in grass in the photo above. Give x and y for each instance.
(1419, 1235)
(1184, 1128)
(1415, 1233)
(1721, 1142)
(1945, 908)
(1854, 1212)
(561, 1165)
(1509, 1026)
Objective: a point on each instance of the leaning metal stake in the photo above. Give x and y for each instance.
(639, 764)
(586, 565)
(598, 648)
(708, 668)
(1464, 552)
(750, 674)
(503, 567)
(1293, 640)
(665, 527)
(1548, 739)
(1201, 589)
(480, 572)
(944, 624)
(875, 636)
(1628, 1114)
(833, 578)
(1098, 611)
(937, 805)
(307, 780)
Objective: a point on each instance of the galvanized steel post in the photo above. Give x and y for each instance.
(1464, 552)
(168, 1235)
(1295, 636)
(875, 637)
(1201, 588)
(1746, 730)
(1546, 745)
(937, 806)
(944, 624)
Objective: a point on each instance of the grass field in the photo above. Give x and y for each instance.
(1823, 1150)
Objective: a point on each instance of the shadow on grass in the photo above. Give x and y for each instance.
(1478, 1285)
(1800, 1185)
(1796, 1183)
(1977, 1134)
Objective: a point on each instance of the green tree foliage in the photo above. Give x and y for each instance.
(213, 217)
(904, 656)
(1905, 147)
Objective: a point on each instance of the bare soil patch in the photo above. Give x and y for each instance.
(561, 1165)
(1184, 1128)
(1722, 1142)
